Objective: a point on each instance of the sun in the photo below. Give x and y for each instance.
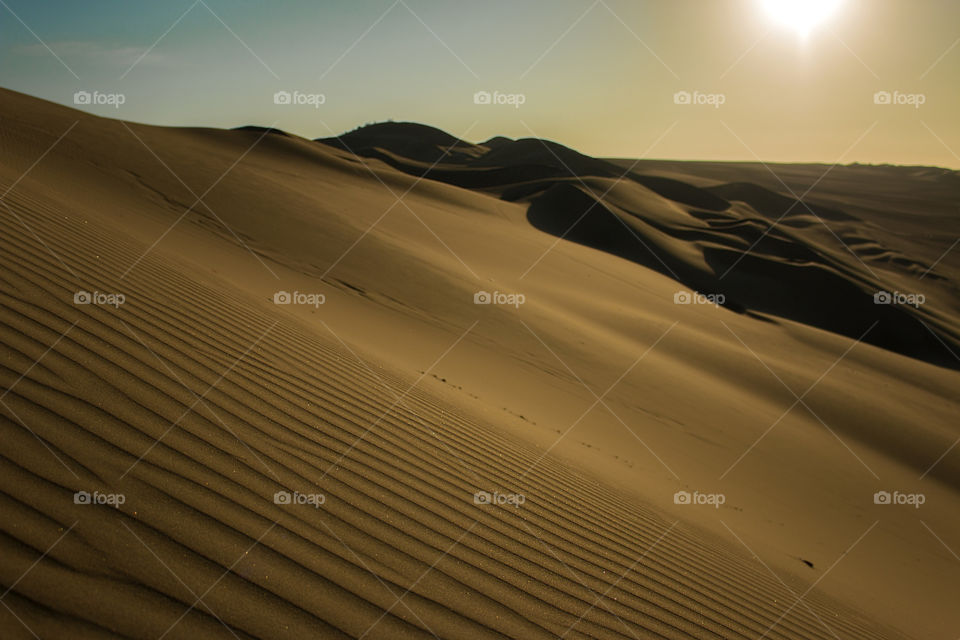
(800, 15)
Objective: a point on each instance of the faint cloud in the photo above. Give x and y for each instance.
(93, 52)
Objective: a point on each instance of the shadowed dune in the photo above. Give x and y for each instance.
(758, 248)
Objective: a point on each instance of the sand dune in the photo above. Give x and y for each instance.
(764, 251)
(398, 399)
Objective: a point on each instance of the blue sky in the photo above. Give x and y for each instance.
(599, 76)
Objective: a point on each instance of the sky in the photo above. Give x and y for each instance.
(876, 81)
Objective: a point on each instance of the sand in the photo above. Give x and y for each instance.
(584, 409)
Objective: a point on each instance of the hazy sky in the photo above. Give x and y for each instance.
(598, 76)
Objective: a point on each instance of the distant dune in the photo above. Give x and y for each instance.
(271, 350)
(764, 251)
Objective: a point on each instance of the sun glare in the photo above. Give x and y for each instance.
(800, 15)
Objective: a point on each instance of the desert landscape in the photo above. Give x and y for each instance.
(390, 382)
